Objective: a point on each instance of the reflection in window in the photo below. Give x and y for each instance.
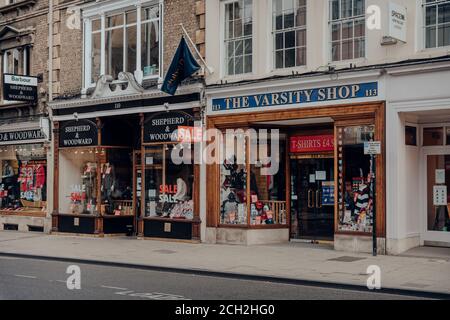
(433, 136)
(355, 172)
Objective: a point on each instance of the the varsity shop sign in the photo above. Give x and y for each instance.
(19, 88)
(34, 134)
(78, 133)
(163, 126)
(301, 144)
(293, 97)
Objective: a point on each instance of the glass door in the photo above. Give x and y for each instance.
(312, 196)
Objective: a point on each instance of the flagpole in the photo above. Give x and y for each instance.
(210, 70)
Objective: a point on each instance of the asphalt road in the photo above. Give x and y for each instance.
(23, 278)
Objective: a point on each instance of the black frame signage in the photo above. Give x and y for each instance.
(20, 88)
(78, 133)
(24, 135)
(162, 127)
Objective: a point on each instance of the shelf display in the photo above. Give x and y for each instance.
(23, 180)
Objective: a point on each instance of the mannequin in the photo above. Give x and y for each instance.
(108, 184)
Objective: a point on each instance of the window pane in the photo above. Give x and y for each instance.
(279, 21)
(277, 6)
(355, 172)
(430, 34)
(248, 46)
(238, 10)
(336, 51)
(289, 19)
(230, 66)
(301, 38)
(114, 21)
(131, 17)
(248, 28)
(300, 17)
(96, 25)
(444, 13)
(289, 39)
(430, 16)
(247, 63)
(346, 8)
(239, 67)
(411, 136)
(433, 136)
(238, 28)
(150, 48)
(248, 9)
(444, 35)
(336, 32)
(239, 48)
(347, 30)
(150, 13)
(288, 5)
(360, 28)
(95, 57)
(334, 9)
(131, 49)
(279, 59)
(359, 48)
(290, 58)
(358, 7)
(301, 57)
(347, 50)
(114, 52)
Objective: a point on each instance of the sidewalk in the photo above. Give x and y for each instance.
(291, 261)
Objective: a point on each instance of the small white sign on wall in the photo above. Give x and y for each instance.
(440, 176)
(397, 21)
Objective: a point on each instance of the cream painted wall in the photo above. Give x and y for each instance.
(317, 39)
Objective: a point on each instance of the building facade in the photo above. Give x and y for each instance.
(330, 76)
(24, 124)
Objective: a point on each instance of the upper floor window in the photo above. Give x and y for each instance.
(238, 37)
(347, 28)
(126, 47)
(289, 32)
(15, 61)
(437, 23)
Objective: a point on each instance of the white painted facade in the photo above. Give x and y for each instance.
(415, 93)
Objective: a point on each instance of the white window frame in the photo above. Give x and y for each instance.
(330, 39)
(95, 11)
(423, 27)
(273, 33)
(4, 67)
(223, 56)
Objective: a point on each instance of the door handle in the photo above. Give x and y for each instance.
(318, 198)
(310, 199)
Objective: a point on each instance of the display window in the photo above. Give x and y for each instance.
(96, 180)
(169, 186)
(438, 181)
(23, 182)
(250, 192)
(356, 172)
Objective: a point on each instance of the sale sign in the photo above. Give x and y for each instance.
(318, 143)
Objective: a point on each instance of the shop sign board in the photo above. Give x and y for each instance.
(317, 143)
(24, 135)
(163, 126)
(295, 97)
(372, 147)
(19, 88)
(397, 21)
(78, 133)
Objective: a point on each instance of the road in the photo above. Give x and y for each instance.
(23, 278)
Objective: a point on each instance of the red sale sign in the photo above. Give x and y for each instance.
(301, 144)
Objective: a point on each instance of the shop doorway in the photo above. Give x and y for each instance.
(312, 198)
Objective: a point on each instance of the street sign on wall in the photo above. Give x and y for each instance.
(19, 88)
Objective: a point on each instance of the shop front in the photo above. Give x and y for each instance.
(23, 180)
(115, 169)
(324, 186)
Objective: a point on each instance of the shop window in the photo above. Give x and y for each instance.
(169, 186)
(122, 36)
(347, 29)
(433, 136)
(447, 133)
(96, 180)
(264, 202)
(289, 33)
(438, 181)
(410, 136)
(23, 183)
(437, 23)
(238, 37)
(355, 173)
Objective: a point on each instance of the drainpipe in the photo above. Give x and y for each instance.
(50, 50)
